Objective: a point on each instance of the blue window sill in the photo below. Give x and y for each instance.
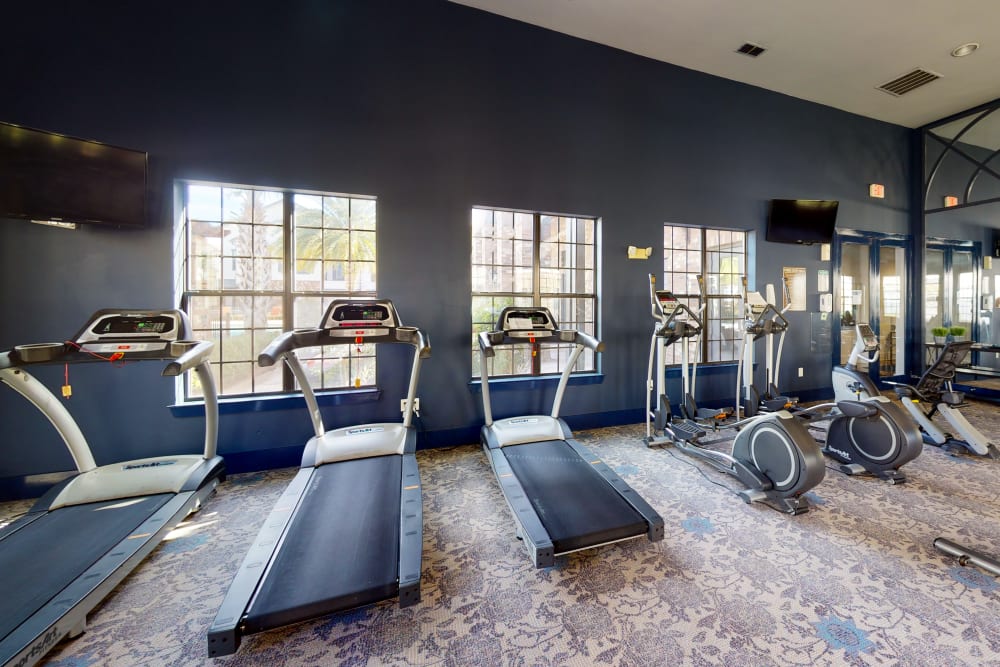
(529, 383)
(229, 406)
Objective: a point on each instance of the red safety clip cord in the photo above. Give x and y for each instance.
(67, 390)
(358, 340)
(534, 350)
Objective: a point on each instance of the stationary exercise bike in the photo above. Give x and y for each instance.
(934, 389)
(773, 454)
(870, 433)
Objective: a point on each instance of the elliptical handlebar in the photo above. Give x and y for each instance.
(666, 321)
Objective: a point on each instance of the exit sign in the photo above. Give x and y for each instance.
(876, 190)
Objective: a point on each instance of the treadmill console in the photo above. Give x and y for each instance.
(130, 332)
(360, 318)
(527, 322)
(133, 325)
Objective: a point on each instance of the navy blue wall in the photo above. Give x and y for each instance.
(433, 108)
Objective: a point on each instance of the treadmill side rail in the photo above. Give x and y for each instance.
(530, 527)
(653, 520)
(39, 633)
(225, 633)
(411, 541)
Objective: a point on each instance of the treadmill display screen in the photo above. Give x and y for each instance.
(368, 313)
(153, 325)
(521, 320)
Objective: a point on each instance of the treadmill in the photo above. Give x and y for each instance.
(562, 496)
(348, 529)
(87, 533)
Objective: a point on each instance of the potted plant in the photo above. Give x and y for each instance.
(957, 333)
(940, 335)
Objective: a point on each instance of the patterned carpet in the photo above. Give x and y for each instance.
(856, 581)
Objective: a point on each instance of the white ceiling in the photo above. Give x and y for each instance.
(834, 52)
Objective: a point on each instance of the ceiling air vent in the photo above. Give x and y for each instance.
(909, 81)
(751, 50)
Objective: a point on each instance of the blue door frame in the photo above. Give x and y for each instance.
(875, 241)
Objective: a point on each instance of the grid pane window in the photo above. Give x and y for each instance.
(241, 291)
(533, 259)
(718, 257)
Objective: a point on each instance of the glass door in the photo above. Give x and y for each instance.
(934, 291)
(892, 309)
(855, 270)
(964, 277)
(872, 289)
(951, 286)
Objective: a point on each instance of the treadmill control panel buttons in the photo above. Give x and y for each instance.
(122, 347)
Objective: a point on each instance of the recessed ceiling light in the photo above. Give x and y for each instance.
(964, 49)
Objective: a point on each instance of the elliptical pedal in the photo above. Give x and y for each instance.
(686, 431)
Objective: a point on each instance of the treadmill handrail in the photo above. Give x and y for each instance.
(490, 339)
(181, 355)
(284, 346)
(184, 356)
(53, 409)
(290, 341)
(191, 353)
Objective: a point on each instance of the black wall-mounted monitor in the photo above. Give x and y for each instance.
(48, 176)
(801, 221)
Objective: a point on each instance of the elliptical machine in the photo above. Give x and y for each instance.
(773, 454)
(871, 433)
(761, 320)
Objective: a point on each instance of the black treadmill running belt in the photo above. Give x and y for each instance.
(44, 557)
(341, 549)
(577, 506)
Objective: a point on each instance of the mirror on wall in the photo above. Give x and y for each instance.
(961, 202)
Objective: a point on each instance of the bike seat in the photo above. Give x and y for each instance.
(857, 409)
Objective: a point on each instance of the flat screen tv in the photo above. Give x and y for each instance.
(48, 176)
(801, 221)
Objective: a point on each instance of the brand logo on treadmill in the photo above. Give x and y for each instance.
(522, 420)
(41, 647)
(366, 429)
(148, 464)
